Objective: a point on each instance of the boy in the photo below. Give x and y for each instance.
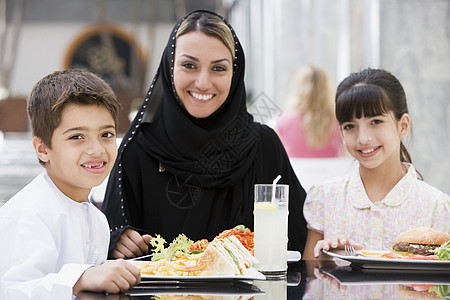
(54, 241)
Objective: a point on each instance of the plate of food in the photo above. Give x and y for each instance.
(417, 249)
(227, 257)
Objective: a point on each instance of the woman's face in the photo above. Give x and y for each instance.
(202, 73)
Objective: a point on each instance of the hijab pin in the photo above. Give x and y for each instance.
(161, 168)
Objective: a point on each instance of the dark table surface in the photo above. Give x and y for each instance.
(305, 280)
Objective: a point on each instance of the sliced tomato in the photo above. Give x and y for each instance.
(414, 256)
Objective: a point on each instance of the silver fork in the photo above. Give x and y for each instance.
(349, 250)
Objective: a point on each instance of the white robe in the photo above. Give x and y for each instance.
(47, 241)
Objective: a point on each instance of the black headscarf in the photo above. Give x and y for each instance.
(179, 174)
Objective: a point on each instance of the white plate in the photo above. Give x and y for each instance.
(252, 274)
(293, 256)
(368, 262)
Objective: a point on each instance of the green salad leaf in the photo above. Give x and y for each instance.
(241, 227)
(180, 243)
(443, 252)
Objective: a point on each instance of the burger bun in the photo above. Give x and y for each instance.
(424, 236)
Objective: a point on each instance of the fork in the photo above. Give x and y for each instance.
(349, 250)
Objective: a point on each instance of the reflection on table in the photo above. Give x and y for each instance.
(305, 280)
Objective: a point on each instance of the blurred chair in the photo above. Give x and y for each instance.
(311, 171)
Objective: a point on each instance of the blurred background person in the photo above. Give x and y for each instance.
(310, 128)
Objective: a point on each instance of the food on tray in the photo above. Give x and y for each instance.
(420, 240)
(421, 243)
(223, 256)
(393, 255)
(226, 256)
(443, 252)
(371, 253)
(243, 234)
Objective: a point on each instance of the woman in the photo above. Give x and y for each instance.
(192, 155)
(310, 129)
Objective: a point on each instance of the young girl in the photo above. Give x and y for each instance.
(385, 195)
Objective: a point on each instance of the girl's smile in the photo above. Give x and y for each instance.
(369, 151)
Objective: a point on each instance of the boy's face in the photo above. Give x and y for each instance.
(83, 150)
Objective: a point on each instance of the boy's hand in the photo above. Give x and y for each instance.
(111, 277)
(334, 242)
(131, 244)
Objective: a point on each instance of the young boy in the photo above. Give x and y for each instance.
(54, 241)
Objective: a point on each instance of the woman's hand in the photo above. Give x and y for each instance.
(336, 243)
(131, 244)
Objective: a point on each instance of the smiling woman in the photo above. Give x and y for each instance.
(193, 153)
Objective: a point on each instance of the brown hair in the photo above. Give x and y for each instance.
(369, 93)
(312, 94)
(53, 92)
(209, 24)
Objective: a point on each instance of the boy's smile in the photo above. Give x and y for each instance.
(83, 150)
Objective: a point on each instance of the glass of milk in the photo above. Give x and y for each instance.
(270, 229)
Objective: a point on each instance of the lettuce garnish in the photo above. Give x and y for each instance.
(443, 252)
(241, 227)
(180, 243)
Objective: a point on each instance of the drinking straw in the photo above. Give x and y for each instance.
(274, 187)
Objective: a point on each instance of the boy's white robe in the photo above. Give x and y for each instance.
(47, 241)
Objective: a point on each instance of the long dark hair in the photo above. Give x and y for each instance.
(369, 93)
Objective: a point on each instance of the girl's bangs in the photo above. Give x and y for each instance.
(360, 101)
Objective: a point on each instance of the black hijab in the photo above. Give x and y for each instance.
(212, 152)
(213, 159)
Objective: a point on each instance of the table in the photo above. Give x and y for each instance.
(306, 280)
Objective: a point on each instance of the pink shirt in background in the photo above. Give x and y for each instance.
(293, 136)
(341, 206)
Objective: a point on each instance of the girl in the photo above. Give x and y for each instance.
(384, 196)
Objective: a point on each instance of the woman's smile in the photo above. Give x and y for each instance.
(201, 97)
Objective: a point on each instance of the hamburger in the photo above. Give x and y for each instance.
(420, 240)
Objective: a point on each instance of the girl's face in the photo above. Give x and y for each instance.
(375, 141)
(202, 73)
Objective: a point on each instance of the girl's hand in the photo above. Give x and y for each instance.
(336, 243)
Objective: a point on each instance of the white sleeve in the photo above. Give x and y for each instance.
(32, 264)
(52, 286)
